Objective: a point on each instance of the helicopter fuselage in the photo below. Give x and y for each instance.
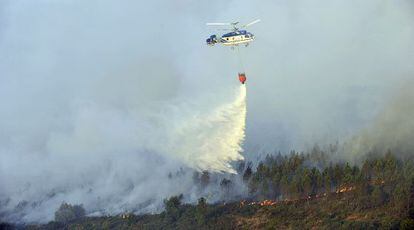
(232, 39)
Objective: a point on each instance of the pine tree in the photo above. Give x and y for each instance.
(172, 207)
(205, 179)
(378, 196)
(201, 211)
(247, 174)
(411, 200)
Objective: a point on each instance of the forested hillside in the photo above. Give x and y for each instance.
(296, 191)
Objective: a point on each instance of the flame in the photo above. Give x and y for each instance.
(342, 189)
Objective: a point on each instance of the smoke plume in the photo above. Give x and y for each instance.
(113, 160)
(392, 129)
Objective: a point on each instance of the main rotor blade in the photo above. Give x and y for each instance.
(251, 23)
(218, 24)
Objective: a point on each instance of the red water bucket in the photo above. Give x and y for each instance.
(242, 77)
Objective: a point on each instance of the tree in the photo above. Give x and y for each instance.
(400, 195)
(407, 224)
(327, 180)
(241, 167)
(7, 226)
(307, 182)
(68, 213)
(337, 175)
(201, 211)
(378, 196)
(247, 173)
(284, 186)
(205, 179)
(226, 186)
(296, 187)
(391, 162)
(379, 167)
(265, 189)
(348, 174)
(262, 171)
(364, 191)
(275, 185)
(172, 207)
(366, 170)
(411, 200)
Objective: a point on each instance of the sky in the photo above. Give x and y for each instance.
(109, 85)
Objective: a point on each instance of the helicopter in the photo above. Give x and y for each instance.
(236, 37)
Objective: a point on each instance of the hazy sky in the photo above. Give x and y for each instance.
(78, 77)
(315, 70)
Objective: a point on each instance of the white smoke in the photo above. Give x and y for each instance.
(197, 135)
(93, 111)
(392, 129)
(114, 160)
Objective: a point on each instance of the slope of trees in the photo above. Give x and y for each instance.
(303, 175)
(306, 190)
